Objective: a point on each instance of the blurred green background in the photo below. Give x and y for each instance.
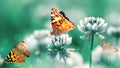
(19, 18)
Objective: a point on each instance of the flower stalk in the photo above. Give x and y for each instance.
(92, 39)
(116, 41)
(66, 66)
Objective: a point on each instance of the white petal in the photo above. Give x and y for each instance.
(94, 27)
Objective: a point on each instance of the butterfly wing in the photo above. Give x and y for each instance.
(15, 56)
(60, 23)
(108, 47)
(104, 45)
(18, 53)
(22, 46)
(113, 48)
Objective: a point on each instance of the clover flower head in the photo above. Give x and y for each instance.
(1, 60)
(60, 40)
(114, 31)
(41, 33)
(38, 37)
(92, 24)
(57, 47)
(43, 36)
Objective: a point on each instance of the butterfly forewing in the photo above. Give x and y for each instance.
(60, 23)
(17, 54)
(23, 48)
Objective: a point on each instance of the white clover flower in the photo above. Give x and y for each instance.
(113, 17)
(31, 42)
(42, 37)
(92, 25)
(57, 47)
(74, 60)
(97, 52)
(114, 31)
(1, 60)
(60, 40)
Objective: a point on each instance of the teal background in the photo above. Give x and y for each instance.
(19, 18)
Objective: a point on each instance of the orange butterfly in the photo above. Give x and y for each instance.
(109, 48)
(18, 53)
(60, 23)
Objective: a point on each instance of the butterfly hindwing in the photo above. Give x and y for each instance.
(17, 54)
(60, 23)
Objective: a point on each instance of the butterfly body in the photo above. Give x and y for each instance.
(60, 23)
(17, 54)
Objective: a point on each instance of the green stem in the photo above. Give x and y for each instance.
(65, 62)
(116, 41)
(92, 39)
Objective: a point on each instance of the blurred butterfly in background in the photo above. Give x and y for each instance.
(60, 23)
(17, 54)
(109, 48)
